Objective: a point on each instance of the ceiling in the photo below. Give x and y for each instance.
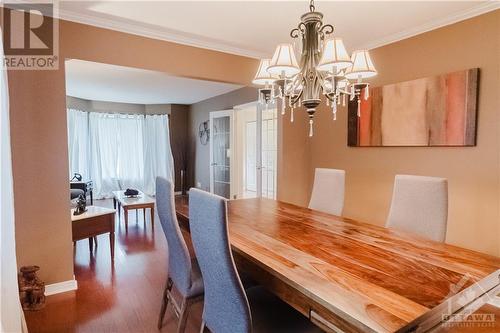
(103, 82)
(253, 28)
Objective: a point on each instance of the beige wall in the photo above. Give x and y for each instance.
(198, 113)
(39, 139)
(473, 172)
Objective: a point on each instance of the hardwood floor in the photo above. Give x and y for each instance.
(124, 297)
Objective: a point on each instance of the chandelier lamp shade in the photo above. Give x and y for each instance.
(362, 66)
(263, 77)
(284, 62)
(335, 56)
(325, 70)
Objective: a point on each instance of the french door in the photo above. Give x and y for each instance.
(256, 151)
(267, 151)
(221, 155)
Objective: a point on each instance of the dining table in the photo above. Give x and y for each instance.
(351, 276)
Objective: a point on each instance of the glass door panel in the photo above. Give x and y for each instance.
(220, 153)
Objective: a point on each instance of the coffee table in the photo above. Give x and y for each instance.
(95, 221)
(142, 201)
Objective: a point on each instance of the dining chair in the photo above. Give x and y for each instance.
(183, 271)
(228, 307)
(328, 191)
(420, 205)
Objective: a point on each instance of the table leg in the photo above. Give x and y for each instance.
(91, 244)
(114, 203)
(152, 209)
(91, 197)
(112, 244)
(125, 212)
(144, 214)
(136, 216)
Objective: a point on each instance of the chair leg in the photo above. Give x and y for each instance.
(202, 329)
(164, 302)
(186, 304)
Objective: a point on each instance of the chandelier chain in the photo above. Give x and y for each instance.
(311, 6)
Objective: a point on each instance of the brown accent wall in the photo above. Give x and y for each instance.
(200, 112)
(473, 172)
(39, 138)
(179, 141)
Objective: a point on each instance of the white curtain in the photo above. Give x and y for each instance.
(117, 158)
(124, 151)
(158, 160)
(78, 128)
(11, 315)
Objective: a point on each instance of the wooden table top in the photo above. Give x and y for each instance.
(376, 278)
(141, 199)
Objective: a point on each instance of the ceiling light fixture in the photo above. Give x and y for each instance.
(325, 68)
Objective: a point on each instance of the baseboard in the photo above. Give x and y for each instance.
(61, 287)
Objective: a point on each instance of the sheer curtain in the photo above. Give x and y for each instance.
(124, 151)
(116, 147)
(156, 143)
(78, 127)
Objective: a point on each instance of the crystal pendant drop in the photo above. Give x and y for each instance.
(283, 101)
(291, 115)
(343, 99)
(359, 107)
(367, 93)
(334, 108)
(311, 127)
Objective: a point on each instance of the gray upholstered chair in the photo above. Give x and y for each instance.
(420, 205)
(183, 271)
(328, 191)
(228, 308)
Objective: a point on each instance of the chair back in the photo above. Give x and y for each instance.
(226, 308)
(179, 261)
(420, 205)
(328, 191)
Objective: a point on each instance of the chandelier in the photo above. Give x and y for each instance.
(325, 69)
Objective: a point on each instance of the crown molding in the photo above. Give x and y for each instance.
(480, 9)
(159, 33)
(221, 46)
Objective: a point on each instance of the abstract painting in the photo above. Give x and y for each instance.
(433, 111)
